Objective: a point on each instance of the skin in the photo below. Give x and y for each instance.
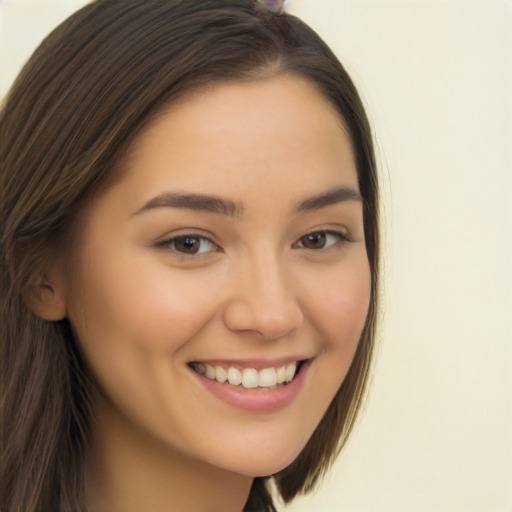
(256, 289)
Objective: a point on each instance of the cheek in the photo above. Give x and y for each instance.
(137, 306)
(338, 310)
(133, 323)
(341, 308)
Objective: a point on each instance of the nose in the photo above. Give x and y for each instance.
(262, 301)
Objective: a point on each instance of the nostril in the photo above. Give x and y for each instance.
(266, 325)
(243, 314)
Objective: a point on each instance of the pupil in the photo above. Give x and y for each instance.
(315, 240)
(187, 244)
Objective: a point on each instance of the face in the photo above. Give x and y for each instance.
(231, 248)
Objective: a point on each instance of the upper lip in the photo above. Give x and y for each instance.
(258, 364)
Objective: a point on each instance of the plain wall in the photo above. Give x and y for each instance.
(436, 433)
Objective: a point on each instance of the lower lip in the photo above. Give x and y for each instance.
(262, 401)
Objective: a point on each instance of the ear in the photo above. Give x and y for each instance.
(46, 298)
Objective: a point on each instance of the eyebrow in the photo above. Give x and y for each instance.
(198, 202)
(214, 204)
(332, 196)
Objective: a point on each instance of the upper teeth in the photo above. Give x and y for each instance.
(249, 378)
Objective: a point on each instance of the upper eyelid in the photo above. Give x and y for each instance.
(344, 233)
(345, 237)
(192, 232)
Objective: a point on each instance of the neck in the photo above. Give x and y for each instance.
(129, 471)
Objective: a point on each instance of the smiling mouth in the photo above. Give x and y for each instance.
(249, 378)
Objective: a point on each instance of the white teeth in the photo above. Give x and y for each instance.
(234, 376)
(281, 374)
(268, 378)
(248, 378)
(290, 372)
(220, 374)
(210, 372)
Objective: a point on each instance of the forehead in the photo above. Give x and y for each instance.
(268, 141)
(245, 125)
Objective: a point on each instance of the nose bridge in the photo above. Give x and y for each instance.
(263, 299)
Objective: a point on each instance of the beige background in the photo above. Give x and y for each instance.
(436, 435)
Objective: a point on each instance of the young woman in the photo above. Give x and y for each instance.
(189, 263)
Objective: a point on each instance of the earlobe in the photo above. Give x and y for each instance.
(46, 300)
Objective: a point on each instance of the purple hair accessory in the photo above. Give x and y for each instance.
(275, 7)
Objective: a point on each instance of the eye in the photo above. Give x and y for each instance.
(321, 240)
(190, 245)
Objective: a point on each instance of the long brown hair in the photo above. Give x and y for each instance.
(73, 111)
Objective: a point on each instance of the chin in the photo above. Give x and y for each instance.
(261, 462)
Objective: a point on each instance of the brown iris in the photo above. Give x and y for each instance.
(187, 244)
(314, 241)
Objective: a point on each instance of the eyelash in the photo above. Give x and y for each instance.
(340, 238)
(170, 243)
